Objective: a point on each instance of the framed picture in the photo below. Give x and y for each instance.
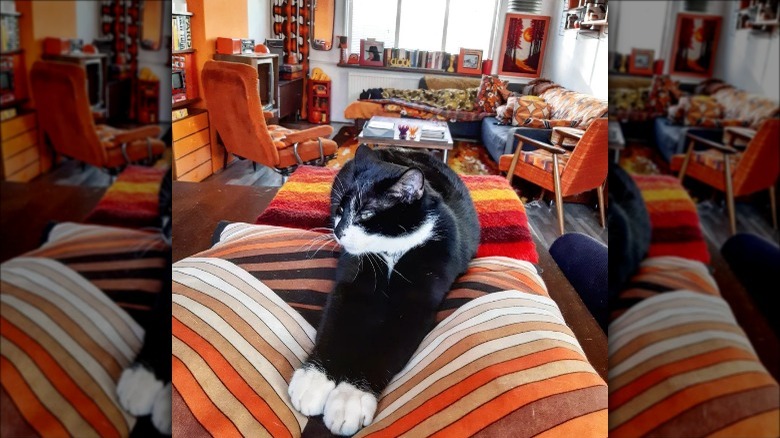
(372, 52)
(470, 61)
(641, 62)
(522, 46)
(695, 44)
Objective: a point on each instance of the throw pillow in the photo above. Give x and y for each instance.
(505, 113)
(489, 94)
(702, 112)
(530, 107)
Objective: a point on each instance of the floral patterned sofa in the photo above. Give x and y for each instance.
(578, 109)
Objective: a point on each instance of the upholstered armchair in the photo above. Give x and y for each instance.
(733, 171)
(65, 116)
(236, 113)
(559, 170)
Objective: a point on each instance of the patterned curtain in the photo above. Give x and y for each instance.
(292, 23)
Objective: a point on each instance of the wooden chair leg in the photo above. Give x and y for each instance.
(730, 195)
(558, 195)
(512, 166)
(602, 214)
(773, 205)
(687, 160)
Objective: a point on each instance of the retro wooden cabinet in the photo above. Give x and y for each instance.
(21, 154)
(192, 155)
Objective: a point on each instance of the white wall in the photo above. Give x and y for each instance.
(88, 20)
(748, 59)
(158, 61)
(578, 62)
(258, 20)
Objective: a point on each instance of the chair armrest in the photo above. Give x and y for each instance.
(715, 145)
(138, 134)
(540, 144)
(574, 133)
(308, 134)
(268, 115)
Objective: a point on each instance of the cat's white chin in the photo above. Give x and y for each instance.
(356, 241)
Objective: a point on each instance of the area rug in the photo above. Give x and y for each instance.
(465, 158)
(132, 200)
(304, 202)
(676, 229)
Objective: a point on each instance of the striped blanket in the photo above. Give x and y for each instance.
(503, 363)
(64, 345)
(304, 202)
(673, 217)
(680, 365)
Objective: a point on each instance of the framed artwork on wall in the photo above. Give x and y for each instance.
(522, 46)
(641, 62)
(470, 61)
(695, 44)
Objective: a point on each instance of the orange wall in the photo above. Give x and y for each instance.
(213, 19)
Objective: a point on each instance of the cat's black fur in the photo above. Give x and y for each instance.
(374, 322)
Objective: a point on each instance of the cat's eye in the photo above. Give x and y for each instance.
(365, 215)
(340, 210)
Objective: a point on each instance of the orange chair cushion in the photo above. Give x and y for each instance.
(537, 158)
(136, 150)
(308, 150)
(710, 158)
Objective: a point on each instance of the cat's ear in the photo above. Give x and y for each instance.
(409, 186)
(364, 153)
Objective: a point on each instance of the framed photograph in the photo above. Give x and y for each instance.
(641, 62)
(470, 61)
(372, 52)
(695, 44)
(522, 46)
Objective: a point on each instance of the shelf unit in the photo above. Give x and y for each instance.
(318, 101)
(588, 18)
(758, 15)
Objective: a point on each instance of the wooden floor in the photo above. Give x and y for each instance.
(751, 218)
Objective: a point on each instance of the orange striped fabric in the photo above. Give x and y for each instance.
(679, 365)
(504, 363)
(64, 345)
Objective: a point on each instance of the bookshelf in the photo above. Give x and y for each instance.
(410, 70)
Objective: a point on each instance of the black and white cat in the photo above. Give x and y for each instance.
(144, 388)
(408, 228)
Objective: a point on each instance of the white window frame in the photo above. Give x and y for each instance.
(348, 19)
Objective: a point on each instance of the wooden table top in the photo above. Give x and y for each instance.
(200, 206)
(27, 208)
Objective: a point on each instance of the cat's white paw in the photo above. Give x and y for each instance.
(161, 410)
(348, 409)
(137, 389)
(309, 389)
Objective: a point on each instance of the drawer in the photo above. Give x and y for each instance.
(197, 174)
(26, 173)
(193, 160)
(190, 143)
(14, 145)
(190, 125)
(17, 125)
(20, 161)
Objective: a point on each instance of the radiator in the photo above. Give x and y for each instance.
(359, 81)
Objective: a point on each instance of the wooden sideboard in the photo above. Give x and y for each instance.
(192, 154)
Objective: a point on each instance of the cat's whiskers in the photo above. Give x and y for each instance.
(393, 269)
(329, 238)
(314, 241)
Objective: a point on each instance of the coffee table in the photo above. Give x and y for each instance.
(444, 145)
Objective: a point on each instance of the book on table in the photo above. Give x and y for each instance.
(377, 129)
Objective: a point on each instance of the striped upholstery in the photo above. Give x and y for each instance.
(127, 265)
(504, 360)
(673, 217)
(679, 365)
(304, 202)
(538, 158)
(64, 345)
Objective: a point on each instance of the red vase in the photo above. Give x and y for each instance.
(487, 66)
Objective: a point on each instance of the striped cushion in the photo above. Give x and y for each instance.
(503, 360)
(679, 365)
(127, 265)
(64, 345)
(714, 159)
(544, 160)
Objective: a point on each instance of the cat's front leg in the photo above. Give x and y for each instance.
(309, 389)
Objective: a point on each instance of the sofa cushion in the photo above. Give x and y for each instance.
(702, 111)
(571, 105)
(489, 94)
(530, 107)
(497, 137)
(741, 105)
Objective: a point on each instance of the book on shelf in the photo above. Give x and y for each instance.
(290, 67)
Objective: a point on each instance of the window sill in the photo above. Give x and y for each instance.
(410, 70)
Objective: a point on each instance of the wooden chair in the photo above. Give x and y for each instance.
(560, 171)
(66, 119)
(737, 173)
(236, 113)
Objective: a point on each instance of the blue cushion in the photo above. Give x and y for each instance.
(670, 138)
(494, 137)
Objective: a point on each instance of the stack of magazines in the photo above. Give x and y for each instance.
(432, 133)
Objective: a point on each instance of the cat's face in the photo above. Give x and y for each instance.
(376, 206)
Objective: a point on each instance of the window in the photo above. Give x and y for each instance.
(444, 25)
